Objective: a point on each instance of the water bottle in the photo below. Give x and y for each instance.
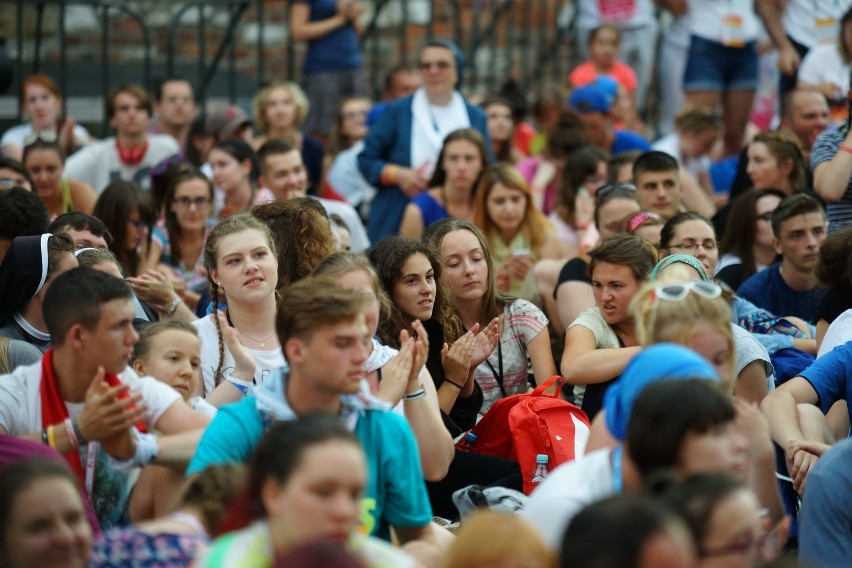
(468, 442)
(540, 468)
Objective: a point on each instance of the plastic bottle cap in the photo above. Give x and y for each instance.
(541, 458)
(470, 437)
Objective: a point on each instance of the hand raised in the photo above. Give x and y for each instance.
(244, 363)
(485, 341)
(108, 411)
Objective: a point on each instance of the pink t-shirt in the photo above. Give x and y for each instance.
(586, 73)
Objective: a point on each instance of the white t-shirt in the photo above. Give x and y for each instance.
(347, 180)
(670, 145)
(266, 361)
(20, 399)
(823, 64)
(814, 22)
(566, 491)
(98, 163)
(749, 349)
(358, 241)
(707, 19)
(839, 332)
(605, 338)
(626, 14)
(16, 135)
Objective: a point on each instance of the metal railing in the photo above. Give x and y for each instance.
(501, 39)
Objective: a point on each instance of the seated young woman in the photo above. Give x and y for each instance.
(602, 340)
(451, 189)
(524, 344)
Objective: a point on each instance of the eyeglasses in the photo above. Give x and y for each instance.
(440, 65)
(139, 224)
(47, 136)
(677, 292)
(742, 546)
(692, 247)
(186, 202)
(354, 115)
(613, 186)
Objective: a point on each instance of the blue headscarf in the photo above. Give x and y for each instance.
(662, 361)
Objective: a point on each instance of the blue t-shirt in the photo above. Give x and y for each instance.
(430, 209)
(825, 536)
(337, 50)
(767, 290)
(395, 493)
(627, 140)
(831, 377)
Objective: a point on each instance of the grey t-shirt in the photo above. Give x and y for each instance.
(749, 349)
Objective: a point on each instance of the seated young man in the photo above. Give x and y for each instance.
(22, 213)
(684, 426)
(790, 287)
(656, 176)
(322, 332)
(83, 399)
(87, 230)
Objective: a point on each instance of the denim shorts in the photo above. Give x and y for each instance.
(712, 66)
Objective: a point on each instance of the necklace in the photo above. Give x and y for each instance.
(260, 342)
(443, 193)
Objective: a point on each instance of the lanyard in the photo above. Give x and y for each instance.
(498, 377)
(91, 462)
(617, 481)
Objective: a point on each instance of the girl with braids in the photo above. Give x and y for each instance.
(410, 273)
(177, 243)
(243, 271)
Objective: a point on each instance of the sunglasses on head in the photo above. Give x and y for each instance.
(613, 186)
(679, 291)
(47, 136)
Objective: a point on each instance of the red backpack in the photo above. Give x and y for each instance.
(521, 426)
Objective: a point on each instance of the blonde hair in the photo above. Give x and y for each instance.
(260, 102)
(663, 321)
(490, 538)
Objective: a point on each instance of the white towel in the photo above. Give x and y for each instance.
(430, 125)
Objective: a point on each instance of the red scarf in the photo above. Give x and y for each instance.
(54, 411)
(131, 156)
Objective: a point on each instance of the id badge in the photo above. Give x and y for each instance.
(825, 30)
(733, 34)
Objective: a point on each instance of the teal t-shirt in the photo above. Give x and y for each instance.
(395, 493)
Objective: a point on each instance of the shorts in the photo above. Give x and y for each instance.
(326, 91)
(711, 66)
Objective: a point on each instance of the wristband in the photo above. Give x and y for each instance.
(173, 307)
(44, 437)
(844, 148)
(51, 436)
(419, 393)
(145, 452)
(458, 386)
(242, 386)
(77, 432)
(69, 429)
(389, 174)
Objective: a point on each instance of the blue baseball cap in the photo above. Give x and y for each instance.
(590, 98)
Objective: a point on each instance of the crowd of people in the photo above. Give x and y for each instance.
(273, 338)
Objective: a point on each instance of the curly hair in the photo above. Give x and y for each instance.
(260, 102)
(388, 257)
(302, 234)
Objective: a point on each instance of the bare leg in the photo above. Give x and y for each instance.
(736, 112)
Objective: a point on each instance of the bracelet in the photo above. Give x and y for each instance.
(78, 433)
(69, 429)
(458, 386)
(44, 437)
(419, 393)
(173, 306)
(844, 148)
(242, 386)
(389, 174)
(51, 436)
